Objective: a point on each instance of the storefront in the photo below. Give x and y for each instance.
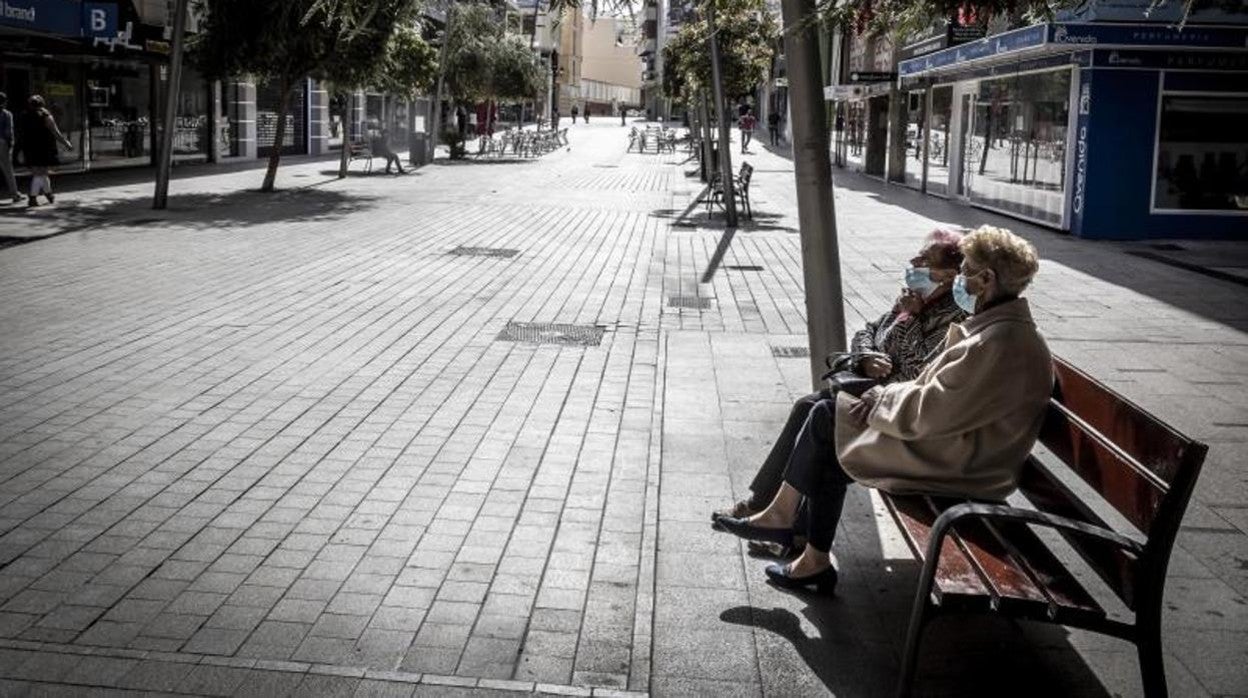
(1106, 130)
(102, 76)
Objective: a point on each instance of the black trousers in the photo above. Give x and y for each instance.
(392, 159)
(769, 477)
(813, 469)
(774, 132)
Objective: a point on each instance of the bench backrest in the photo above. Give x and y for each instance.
(1138, 464)
(747, 170)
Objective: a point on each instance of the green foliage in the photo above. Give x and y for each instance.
(483, 63)
(410, 65)
(747, 35)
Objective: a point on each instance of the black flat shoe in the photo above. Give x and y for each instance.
(744, 529)
(824, 582)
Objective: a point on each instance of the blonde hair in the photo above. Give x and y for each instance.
(1012, 258)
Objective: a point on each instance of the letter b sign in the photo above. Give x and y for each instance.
(99, 19)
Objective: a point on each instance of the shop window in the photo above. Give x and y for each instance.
(1202, 154)
(856, 134)
(1015, 158)
(912, 173)
(938, 140)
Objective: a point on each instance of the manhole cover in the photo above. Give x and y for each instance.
(697, 302)
(484, 252)
(552, 333)
(790, 352)
(744, 267)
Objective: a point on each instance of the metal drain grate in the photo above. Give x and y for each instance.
(696, 302)
(552, 333)
(790, 352)
(744, 267)
(462, 251)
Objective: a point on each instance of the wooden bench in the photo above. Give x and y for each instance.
(741, 187)
(984, 557)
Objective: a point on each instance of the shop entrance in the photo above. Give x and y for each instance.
(877, 136)
(964, 147)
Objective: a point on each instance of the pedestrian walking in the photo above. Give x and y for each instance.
(575, 111)
(381, 148)
(773, 127)
(747, 123)
(7, 141)
(40, 136)
(585, 114)
(623, 115)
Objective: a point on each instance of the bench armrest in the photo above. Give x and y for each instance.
(1005, 512)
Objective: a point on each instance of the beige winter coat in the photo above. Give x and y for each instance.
(965, 425)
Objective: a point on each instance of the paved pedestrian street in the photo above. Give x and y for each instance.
(459, 433)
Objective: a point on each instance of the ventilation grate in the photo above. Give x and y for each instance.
(790, 352)
(696, 302)
(552, 333)
(504, 253)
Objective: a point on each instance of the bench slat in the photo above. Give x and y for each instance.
(1151, 442)
(1123, 482)
(1049, 494)
(1071, 602)
(957, 581)
(1009, 581)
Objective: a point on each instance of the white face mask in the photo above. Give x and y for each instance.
(965, 299)
(919, 280)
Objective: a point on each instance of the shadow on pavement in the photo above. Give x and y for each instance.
(961, 655)
(200, 210)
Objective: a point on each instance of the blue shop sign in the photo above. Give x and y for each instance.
(71, 18)
(1008, 42)
(1083, 34)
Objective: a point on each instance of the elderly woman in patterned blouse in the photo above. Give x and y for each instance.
(909, 334)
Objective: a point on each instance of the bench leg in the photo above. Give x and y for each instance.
(1148, 646)
(920, 614)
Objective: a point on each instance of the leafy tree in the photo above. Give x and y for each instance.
(285, 41)
(485, 64)
(747, 35)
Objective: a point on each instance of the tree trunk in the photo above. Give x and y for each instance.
(279, 135)
(821, 266)
(344, 160)
(708, 150)
(725, 140)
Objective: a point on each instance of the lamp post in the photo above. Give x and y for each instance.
(821, 266)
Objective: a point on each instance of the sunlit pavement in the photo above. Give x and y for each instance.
(312, 443)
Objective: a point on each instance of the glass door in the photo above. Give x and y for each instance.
(967, 146)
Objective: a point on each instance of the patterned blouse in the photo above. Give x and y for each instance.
(913, 341)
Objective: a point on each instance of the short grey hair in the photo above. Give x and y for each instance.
(1013, 259)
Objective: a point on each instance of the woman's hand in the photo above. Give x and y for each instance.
(876, 367)
(910, 302)
(860, 409)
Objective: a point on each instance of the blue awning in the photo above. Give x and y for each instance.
(1074, 36)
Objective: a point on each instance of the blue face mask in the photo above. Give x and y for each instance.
(965, 299)
(919, 280)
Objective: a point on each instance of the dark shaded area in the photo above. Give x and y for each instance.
(375, 172)
(962, 655)
(202, 211)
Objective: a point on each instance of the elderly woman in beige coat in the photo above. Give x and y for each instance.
(963, 427)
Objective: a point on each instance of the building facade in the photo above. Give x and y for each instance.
(611, 70)
(1098, 123)
(102, 69)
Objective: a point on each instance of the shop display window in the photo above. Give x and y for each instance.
(916, 127)
(856, 134)
(1202, 154)
(938, 141)
(119, 99)
(1015, 156)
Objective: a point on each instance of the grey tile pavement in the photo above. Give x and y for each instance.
(271, 445)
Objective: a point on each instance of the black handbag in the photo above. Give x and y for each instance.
(842, 375)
